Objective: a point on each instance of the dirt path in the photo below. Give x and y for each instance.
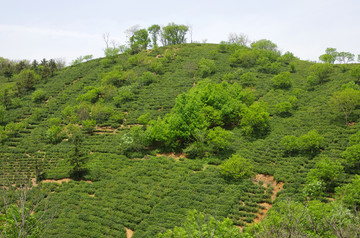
(129, 233)
(175, 156)
(268, 180)
(60, 181)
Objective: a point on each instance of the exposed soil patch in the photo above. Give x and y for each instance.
(129, 233)
(267, 180)
(59, 181)
(105, 130)
(176, 156)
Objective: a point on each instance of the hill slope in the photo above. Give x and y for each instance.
(128, 180)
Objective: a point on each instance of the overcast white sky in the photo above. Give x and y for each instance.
(67, 29)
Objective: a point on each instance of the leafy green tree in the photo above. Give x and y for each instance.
(2, 114)
(243, 57)
(3, 134)
(248, 79)
(173, 34)
(330, 56)
(349, 194)
(282, 80)
(237, 167)
(154, 30)
(82, 59)
(284, 108)
(112, 52)
(206, 67)
(27, 78)
(312, 141)
(345, 101)
(352, 156)
(101, 112)
(54, 134)
(38, 96)
(91, 96)
(355, 72)
(321, 72)
(77, 158)
(290, 143)
(198, 224)
(345, 57)
(89, 126)
(326, 170)
(124, 94)
(114, 77)
(139, 41)
(255, 119)
(264, 44)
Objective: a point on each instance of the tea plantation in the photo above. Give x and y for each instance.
(132, 143)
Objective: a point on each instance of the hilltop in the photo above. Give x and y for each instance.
(133, 142)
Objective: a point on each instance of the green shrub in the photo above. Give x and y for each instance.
(38, 96)
(282, 80)
(206, 67)
(236, 167)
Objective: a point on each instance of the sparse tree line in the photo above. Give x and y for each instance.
(332, 55)
(143, 38)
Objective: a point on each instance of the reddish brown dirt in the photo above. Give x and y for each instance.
(59, 181)
(129, 233)
(268, 180)
(175, 156)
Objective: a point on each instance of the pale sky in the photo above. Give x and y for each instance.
(66, 29)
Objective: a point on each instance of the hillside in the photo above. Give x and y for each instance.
(135, 142)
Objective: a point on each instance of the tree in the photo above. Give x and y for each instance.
(330, 56)
(25, 211)
(255, 119)
(264, 45)
(206, 67)
(352, 156)
(173, 34)
(238, 39)
(325, 170)
(139, 40)
(283, 108)
(345, 101)
(243, 57)
(321, 72)
(350, 193)
(311, 141)
(27, 78)
(282, 80)
(77, 158)
(2, 114)
(236, 167)
(355, 72)
(154, 30)
(198, 224)
(345, 57)
(38, 96)
(54, 134)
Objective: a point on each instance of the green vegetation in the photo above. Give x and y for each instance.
(173, 136)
